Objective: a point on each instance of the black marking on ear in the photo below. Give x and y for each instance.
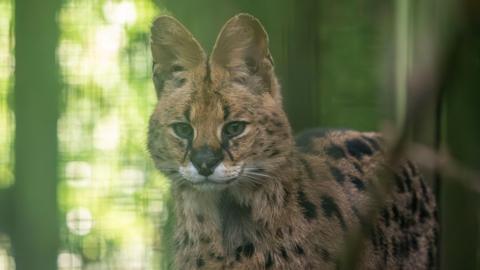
(339, 176)
(330, 208)
(358, 148)
(308, 208)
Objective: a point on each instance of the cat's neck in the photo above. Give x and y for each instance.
(238, 215)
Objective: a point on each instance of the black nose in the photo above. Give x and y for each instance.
(205, 159)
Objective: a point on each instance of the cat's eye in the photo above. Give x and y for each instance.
(183, 130)
(234, 129)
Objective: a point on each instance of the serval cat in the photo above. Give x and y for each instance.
(247, 194)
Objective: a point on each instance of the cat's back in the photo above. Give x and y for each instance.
(352, 167)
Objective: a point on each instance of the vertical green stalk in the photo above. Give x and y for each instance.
(34, 223)
(401, 60)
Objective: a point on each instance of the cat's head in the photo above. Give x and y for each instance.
(219, 121)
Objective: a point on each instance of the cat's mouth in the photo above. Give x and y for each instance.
(210, 184)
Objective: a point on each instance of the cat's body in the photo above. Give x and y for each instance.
(247, 196)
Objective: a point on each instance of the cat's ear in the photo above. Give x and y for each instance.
(174, 50)
(242, 50)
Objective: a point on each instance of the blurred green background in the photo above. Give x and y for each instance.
(77, 187)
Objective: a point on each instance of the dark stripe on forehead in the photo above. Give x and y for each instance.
(207, 73)
(226, 111)
(186, 113)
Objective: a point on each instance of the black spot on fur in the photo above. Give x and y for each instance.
(284, 253)
(407, 179)
(200, 218)
(373, 142)
(431, 256)
(248, 250)
(279, 233)
(200, 262)
(238, 253)
(396, 214)
(268, 261)
(330, 208)
(386, 217)
(277, 123)
(399, 184)
(359, 184)
(424, 190)
(424, 214)
(325, 255)
(413, 242)
(235, 218)
(286, 196)
(205, 239)
(339, 176)
(412, 168)
(274, 153)
(309, 209)
(358, 148)
(304, 141)
(335, 152)
(308, 169)
(299, 250)
(358, 167)
(413, 206)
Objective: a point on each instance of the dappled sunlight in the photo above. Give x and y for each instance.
(6, 112)
(107, 178)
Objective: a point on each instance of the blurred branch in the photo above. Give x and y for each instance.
(428, 82)
(446, 165)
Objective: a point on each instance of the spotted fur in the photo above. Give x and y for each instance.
(294, 201)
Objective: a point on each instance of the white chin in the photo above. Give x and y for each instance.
(208, 186)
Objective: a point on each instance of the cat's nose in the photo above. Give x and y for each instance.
(205, 159)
